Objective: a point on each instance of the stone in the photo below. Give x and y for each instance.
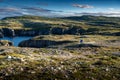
(6, 43)
(9, 57)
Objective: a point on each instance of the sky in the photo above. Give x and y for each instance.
(59, 8)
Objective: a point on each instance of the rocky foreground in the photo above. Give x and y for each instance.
(85, 63)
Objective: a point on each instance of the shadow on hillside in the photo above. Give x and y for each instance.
(35, 25)
(43, 43)
(81, 45)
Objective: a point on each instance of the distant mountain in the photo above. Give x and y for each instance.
(75, 18)
(92, 18)
(24, 17)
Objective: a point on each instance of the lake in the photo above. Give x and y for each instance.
(15, 40)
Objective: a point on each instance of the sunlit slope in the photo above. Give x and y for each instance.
(94, 24)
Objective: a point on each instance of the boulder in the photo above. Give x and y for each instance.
(9, 58)
(5, 43)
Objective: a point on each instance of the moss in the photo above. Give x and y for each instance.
(17, 55)
(86, 63)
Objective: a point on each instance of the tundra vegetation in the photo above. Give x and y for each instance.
(58, 54)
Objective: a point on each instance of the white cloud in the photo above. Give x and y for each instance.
(82, 6)
(111, 9)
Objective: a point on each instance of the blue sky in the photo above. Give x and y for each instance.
(59, 8)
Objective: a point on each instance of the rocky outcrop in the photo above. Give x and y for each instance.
(36, 43)
(43, 31)
(81, 31)
(5, 43)
(72, 30)
(1, 33)
(117, 34)
(22, 32)
(57, 30)
(41, 43)
(46, 31)
(8, 32)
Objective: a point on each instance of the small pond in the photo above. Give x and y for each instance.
(15, 40)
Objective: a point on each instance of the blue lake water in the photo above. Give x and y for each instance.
(15, 40)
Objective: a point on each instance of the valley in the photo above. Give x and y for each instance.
(68, 48)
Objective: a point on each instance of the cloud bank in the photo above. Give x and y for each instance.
(37, 11)
(108, 14)
(8, 9)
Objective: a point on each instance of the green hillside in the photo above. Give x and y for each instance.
(90, 24)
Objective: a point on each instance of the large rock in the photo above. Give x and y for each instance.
(5, 43)
(8, 32)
